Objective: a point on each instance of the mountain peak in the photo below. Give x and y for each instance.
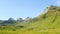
(52, 8)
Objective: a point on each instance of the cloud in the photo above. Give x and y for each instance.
(23, 18)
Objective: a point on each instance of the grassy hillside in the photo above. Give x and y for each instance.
(46, 23)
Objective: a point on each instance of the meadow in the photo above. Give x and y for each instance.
(50, 31)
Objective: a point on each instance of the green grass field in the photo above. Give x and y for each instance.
(50, 31)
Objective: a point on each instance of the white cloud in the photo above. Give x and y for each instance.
(23, 18)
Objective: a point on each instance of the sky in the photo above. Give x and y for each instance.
(24, 8)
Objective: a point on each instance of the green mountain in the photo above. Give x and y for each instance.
(46, 23)
(50, 19)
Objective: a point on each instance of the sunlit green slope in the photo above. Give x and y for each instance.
(46, 23)
(50, 19)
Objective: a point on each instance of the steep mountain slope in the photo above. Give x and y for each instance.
(46, 23)
(49, 20)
